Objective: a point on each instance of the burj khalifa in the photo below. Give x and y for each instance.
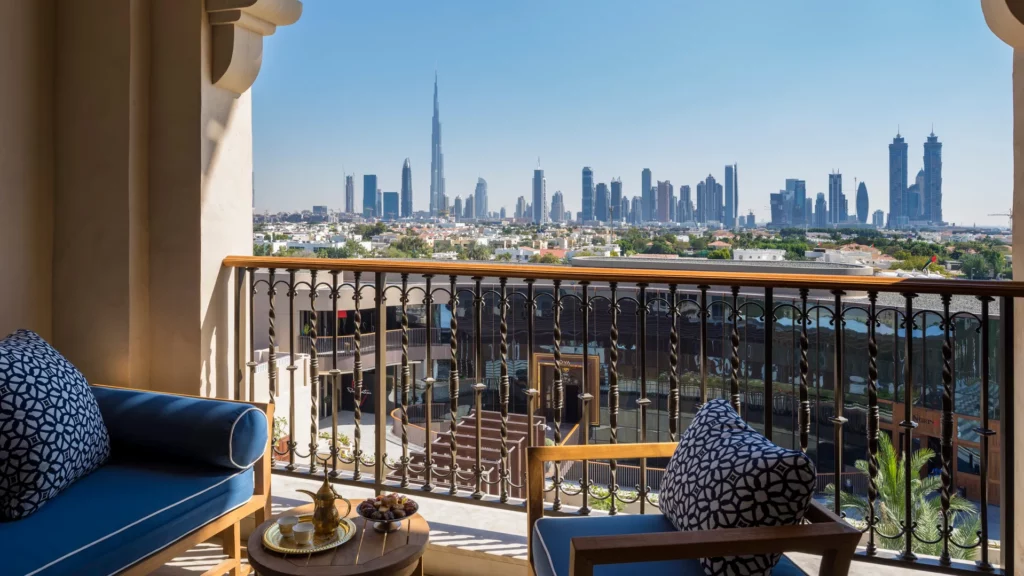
(436, 160)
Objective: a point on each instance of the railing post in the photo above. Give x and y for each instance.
(1007, 497)
(381, 367)
(908, 426)
(769, 363)
(239, 351)
(428, 384)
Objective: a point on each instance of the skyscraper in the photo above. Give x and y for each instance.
(457, 206)
(711, 201)
(820, 211)
(469, 209)
(406, 189)
(808, 211)
(350, 194)
(732, 197)
(480, 198)
(389, 206)
(636, 210)
(539, 185)
(862, 203)
(588, 194)
(646, 197)
(797, 194)
(615, 203)
(836, 199)
(521, 208)
(897, 180)
(380, 204)
(664, 201)
(687, 202)
(701, 200)
(600, 203)
(369, 195)
(624, 210)
(557, 207)
(436, 158)
(933, 179)
(878, 218)
(913, 200)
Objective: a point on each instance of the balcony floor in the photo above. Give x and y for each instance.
(483, 540)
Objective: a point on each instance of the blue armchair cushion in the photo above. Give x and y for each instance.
(119, 515)
(51, 430)
(552, 536)
(724, 474)
(214, 432)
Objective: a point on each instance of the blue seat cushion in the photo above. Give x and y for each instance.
(228, 434)
(118, 515)
(551, 538)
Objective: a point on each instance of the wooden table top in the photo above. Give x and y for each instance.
(368, 553)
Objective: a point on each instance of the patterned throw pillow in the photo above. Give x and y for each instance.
(725, 474)
(51, 430)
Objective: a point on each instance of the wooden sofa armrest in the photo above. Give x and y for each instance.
(836, 542)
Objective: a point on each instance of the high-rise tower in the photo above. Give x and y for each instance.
(480, 198)
(897, 180)
(588, 194)
(406, 189)
(932, 179)
(862, 203)
(836, 199)
(732, 197)
(647, 197)
(350, 195)
(436, 158)
(539, 196)
(615, 204)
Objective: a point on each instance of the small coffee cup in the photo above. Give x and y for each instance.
(286, 524)
(303, 532)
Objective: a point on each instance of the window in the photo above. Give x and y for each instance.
(968, 460)
(968, 430)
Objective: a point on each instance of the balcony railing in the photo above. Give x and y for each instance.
(629, 355)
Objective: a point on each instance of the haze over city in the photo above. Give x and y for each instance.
(681, 89)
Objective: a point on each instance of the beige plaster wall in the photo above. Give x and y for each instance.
(26, 165)
(100, 298)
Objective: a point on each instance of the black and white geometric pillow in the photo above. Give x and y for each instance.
(51, 430)
(725, 474)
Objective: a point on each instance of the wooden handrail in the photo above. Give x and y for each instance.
(542, 272)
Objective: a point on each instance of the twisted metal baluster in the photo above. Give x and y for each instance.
(272, 334)
(453, 387)
(585, 397)
(908, 425)
(673, 361)
(252, 338)
(838, 388)
(643, 401)
(403, 400)
(986, 432)
(503, 390)
(767, 362)
(559, 401)
(428, 381)
(335, 374)
(734, 362)
(478, 386)
(531, 392)
(613, 396)
(704, 313)
(947, 429)
(357, 389)
(292, 444)
(872, 422)
(314, 375)
(805, 401)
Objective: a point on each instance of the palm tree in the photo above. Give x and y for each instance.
(926, 505)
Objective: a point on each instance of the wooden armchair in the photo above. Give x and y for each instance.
(824, 534)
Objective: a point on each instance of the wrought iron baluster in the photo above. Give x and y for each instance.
(559, 391)
(613, 396)
(769, 362)
(380, 362)
(585, 396)
(503, 390)
(873, 421)
(838, 384)
(908, 426)
(292, 444)
(314, 375)
(335, 374)
(272, 334)
(673, 361)
(453, 386)
(404, 396)
(986, 431)
(479, 386)
(643, 401)
(704, 313)
(805, 401)
(252, 337)
(947, 427)
(357, 378)
(531, 393)
(1007, 415)
(428, 383)
(734, 362)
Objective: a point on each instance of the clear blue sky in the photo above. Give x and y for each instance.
(784, 88)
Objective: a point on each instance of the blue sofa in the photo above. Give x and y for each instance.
(182, 469)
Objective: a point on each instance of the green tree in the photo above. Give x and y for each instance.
(974, 266)
(720, 254)
(351, 249)
(926, 507)
(504, 257)
(545, 259)
(476, 252)
(699, 243)
(368, 231)
(261, 249)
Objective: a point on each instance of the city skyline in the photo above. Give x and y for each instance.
(496, 131)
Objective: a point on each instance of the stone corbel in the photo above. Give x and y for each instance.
(1006, 19)
(238, 28)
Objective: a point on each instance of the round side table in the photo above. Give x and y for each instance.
(368, 553)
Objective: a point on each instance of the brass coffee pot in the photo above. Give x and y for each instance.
(326, 516)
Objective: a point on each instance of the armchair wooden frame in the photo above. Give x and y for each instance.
(825, 534)
(228, 525)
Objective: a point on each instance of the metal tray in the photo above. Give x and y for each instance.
(274, 540)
